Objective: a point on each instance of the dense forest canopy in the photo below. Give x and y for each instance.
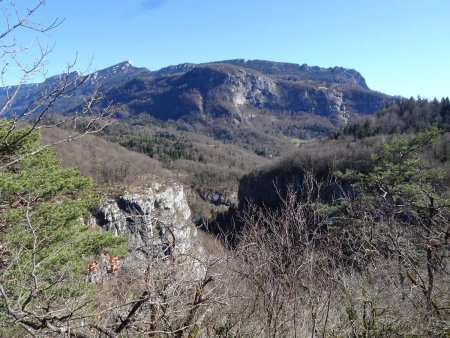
(402, 117)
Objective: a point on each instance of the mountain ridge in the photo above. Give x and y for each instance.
(226, 97)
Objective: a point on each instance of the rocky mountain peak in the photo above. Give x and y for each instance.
(120, 69)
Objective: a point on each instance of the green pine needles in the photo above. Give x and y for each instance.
(45, 241)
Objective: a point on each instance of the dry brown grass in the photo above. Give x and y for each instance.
(107, 163)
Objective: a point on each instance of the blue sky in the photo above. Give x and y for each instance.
(401, 47)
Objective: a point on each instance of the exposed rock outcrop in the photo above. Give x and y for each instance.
(156, 219)
(219, 198)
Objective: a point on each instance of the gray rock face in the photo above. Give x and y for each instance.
(156, 219)
(247, 88)
(218, 198)
(304, 72)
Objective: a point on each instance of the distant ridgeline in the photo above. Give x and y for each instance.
(279, 99)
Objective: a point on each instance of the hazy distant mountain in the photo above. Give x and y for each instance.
(282, 99)
(100, 81)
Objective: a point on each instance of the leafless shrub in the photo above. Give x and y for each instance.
(284, 266)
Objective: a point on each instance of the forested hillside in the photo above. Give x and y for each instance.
(354, 146)
(405, 116)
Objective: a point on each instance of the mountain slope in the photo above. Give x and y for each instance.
(240, 91)
(264, 97)
(73, 87)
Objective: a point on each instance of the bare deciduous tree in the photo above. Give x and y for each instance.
(285, 264)
(27, 61)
